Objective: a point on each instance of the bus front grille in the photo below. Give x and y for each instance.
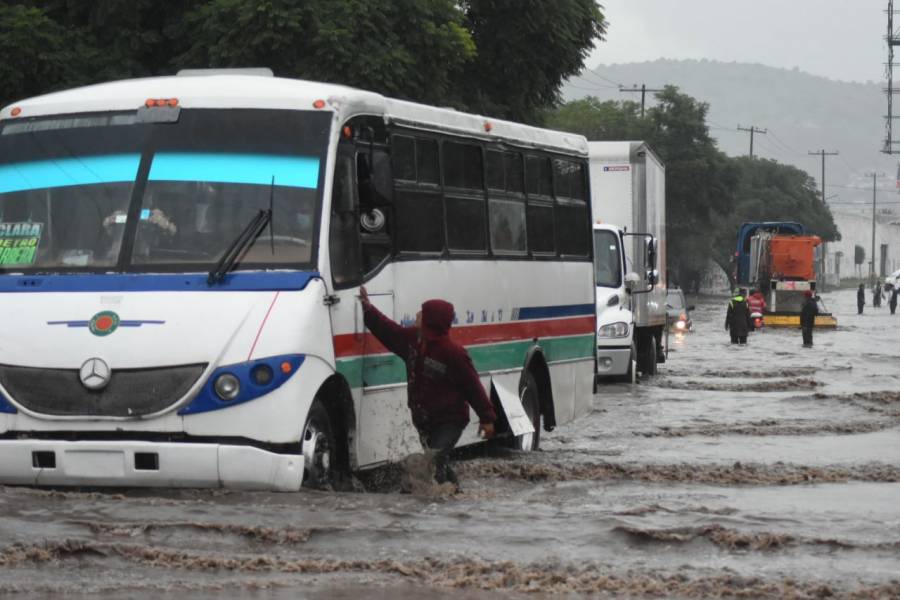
(130, 392)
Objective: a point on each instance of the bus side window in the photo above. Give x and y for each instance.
(419, 209)
(463, 173)
(572, 216)
(506, 203)
(343, 237)
(541, 218)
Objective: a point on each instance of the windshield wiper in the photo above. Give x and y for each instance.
(240, 244)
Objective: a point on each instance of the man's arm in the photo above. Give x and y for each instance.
(467, 377)
(728, 317)
(393, 336)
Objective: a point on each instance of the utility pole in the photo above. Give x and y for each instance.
(823, 154)
(875, 177)
(753, 129)
(643, 90)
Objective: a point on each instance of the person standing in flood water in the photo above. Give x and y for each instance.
(877, 295)
(860, 298)
(737, 319)
(892, 303)
(808, 317)
(441, 380)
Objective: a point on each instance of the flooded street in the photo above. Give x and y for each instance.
(761, 471)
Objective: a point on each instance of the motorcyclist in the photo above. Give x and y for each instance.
(756, 303)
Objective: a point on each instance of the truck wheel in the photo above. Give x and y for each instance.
(531, 402)
(648, 366)
(318, 446)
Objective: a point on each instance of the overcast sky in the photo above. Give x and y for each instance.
(840, 39)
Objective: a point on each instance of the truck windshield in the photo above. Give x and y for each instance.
(123, 192)
(607, 259)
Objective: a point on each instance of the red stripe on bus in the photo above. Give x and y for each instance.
(350, 344)
(262, 325)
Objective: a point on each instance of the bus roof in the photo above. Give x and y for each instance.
(232, 90)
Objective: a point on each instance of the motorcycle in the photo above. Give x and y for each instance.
(757, 319)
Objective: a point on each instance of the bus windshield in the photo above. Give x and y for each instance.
(607, 260)
(127, 192)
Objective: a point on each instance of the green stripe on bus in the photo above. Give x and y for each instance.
(386, 369)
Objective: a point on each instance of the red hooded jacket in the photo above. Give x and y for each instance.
(441, 381)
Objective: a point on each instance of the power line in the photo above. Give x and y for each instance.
(606, 81)
(783, 143)
(643, 90)
(752, 129)
(590, 70)
(593, 86)
(823, 154)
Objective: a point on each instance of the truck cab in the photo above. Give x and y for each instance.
(623, 347)
(628, 205)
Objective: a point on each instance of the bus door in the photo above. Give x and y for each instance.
(361, 246)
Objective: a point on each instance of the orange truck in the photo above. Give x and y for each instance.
(779, 259)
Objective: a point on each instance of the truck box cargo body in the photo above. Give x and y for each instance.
(629, 205)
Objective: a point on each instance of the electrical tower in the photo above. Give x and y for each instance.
(891, 145)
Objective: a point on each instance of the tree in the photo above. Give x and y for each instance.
(770, 191)
(506, 58)
(526, 49)
(598, 120)
(708, 195)
(39, 54)
(859, 257)
(411, 49)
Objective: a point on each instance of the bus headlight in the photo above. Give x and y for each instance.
(227, 386)
(613, 330)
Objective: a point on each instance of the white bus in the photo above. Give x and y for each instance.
(180, 262)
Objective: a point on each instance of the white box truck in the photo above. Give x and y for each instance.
(628, 197)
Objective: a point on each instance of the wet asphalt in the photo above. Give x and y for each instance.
(766, 471)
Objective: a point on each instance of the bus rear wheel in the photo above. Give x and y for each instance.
(530, 397)
(318, 445)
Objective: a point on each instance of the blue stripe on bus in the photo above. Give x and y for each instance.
(61, 172)
(549, 312)
(140, 282)
(290, 171)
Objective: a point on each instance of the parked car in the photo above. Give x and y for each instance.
(678, 313)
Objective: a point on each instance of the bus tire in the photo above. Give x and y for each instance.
(529, 394)
(319, 446)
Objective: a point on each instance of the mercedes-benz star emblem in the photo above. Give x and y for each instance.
(95, 374)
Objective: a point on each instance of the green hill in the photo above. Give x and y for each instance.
(802, 112)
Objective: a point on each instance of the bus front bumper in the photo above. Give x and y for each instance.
(144, 464)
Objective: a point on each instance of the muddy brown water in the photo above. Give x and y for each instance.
(765, 471)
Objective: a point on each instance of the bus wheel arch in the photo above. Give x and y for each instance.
(335, 399)
(536, 365)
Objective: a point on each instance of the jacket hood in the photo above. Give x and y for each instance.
(437, 317)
